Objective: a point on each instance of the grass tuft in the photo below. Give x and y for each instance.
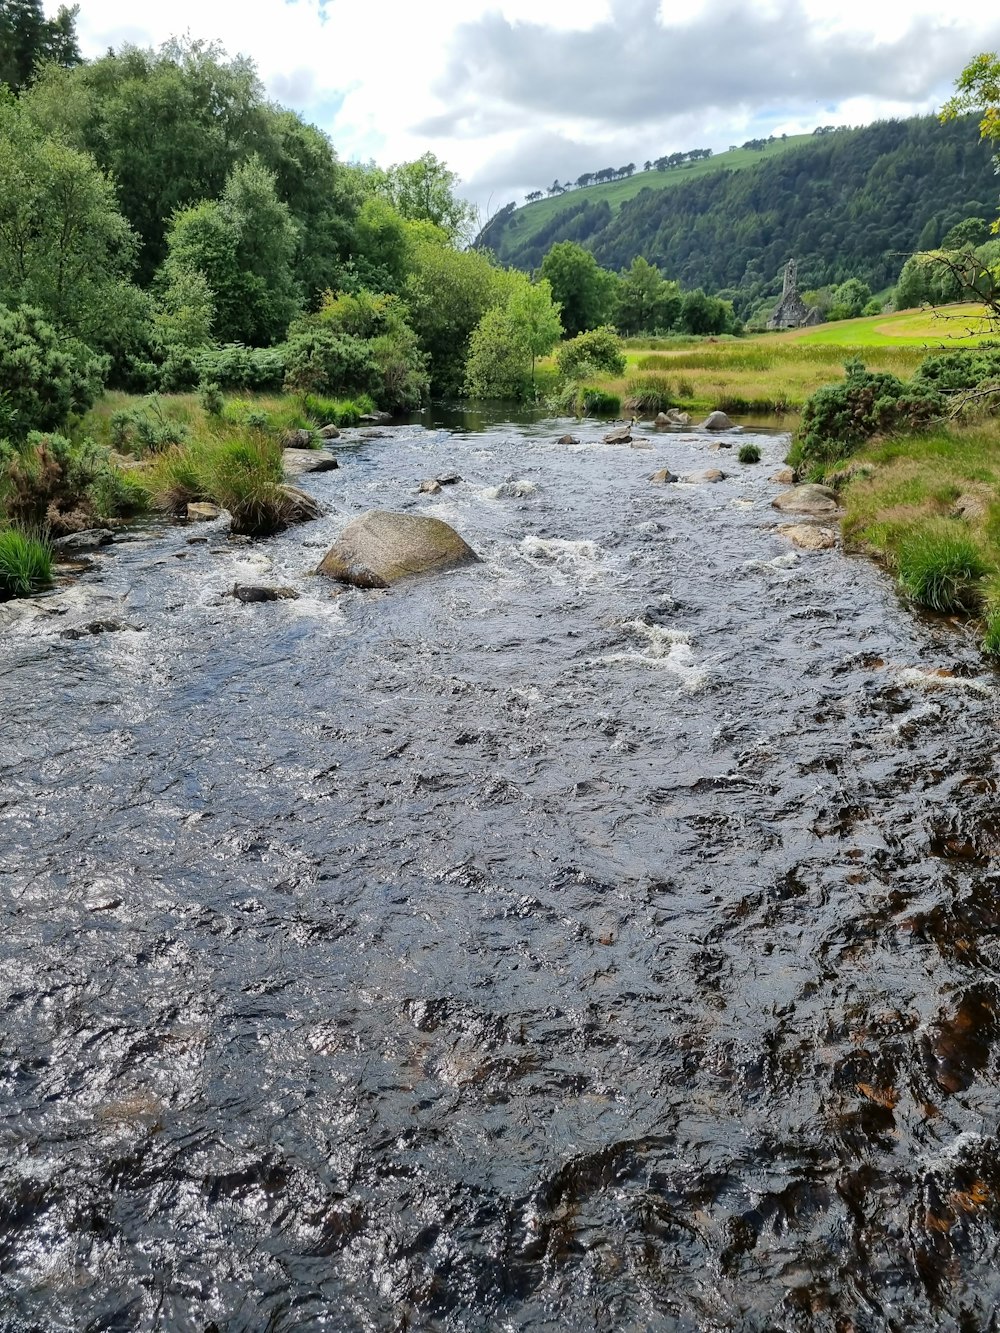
(25, 564)
(940, 566)
(749, 453)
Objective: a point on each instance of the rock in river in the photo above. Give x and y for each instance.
(567, 439)
(429, 487)
(718, 421)
(623, 435)
(299, 506)
(663, 477)
(809, 536)
(201, 512)
(380, 548)
(252, 592)
(806, 499)
(83, 541)
(299, 461)
(709, 474)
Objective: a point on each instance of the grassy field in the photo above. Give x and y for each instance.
(778, 372)
(531, 217)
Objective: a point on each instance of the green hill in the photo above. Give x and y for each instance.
(533, 217)
(853, 203)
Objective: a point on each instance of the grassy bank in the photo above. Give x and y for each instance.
(928, 508)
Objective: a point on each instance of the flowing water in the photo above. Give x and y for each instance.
(600, 937)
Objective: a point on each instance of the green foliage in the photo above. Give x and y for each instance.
(184, 311)
(970, 232)
(43, 377)
(64, 247)
(646, 302)
(318, 360)
(210, 398)
(245, 476)
(255, 369)
(749, 453)
(939, 567)
(381, 319)
(849, 299)
(701, 314)
(962, 370)
(587, 353)
(447, 292)
(25, 564)
(598, 403)
(584, 291)
(337, 411)
(649, 393)
(242, 247)
(425, 191)
(841, 417)
(146, 429)
(507, 340)
(28, 39)
(114, 493)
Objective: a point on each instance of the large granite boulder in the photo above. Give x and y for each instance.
(379, 548)
(807, 499)
(718, 421)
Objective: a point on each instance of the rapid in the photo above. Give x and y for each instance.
(600, 937)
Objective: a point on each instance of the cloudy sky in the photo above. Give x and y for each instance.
(512, 93)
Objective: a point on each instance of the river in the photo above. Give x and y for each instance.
(600, 937)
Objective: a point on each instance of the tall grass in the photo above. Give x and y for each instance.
(648, 393)
(25, 564)
(940, 567)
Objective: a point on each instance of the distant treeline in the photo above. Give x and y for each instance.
(848, 204)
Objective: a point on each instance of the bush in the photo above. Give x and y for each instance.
(961, 371)
(210, 398)
(598, 403)
(939, 567)
(337, 411)
(25, 564)
(599, 350)
(319, 361)
(245, 476)
(145, 429)
(43, 376)
(648, 393)
(749, 453)
(233, 366)
(114, 493)
(839, 418)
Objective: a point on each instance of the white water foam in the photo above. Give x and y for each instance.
(926, 679)
(665, 649)
(568, 559)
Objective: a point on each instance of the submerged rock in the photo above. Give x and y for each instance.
(663, 477)
(376, 418)
(252, 592)
(806, 499)
(709, 474)
(92, 627)
(299, 461)
(447, 479)
(567, 439)
(380, 548)
(83, 541)
(809, 536)
(718, 421)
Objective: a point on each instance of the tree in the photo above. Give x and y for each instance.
(43, 376)
(447, 292)
(646, 302)
(497, 365)
(28, 39)
(536, 315)
(970, 232)
(243, 245)
(849, 299)
(65, 249)
(584, 291)
(425, 191)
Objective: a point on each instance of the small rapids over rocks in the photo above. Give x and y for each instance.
(603, 936)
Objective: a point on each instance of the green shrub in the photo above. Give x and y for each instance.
(962, 370)
(749, 453)
(597, 351)
(25, 564)
(44, 377)
(598, 403)
(648, 393)
(233, 366)
(210, 398)
(114, 493)
(839, 418)
(320, 361)
(337, 411)
(146, 429)
(939, 567)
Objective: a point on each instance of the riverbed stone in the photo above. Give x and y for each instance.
(376, 418)
(662, 477)
(201, 512)
(567, 439)
(253, 592)
(429, 487)
(447, 478)
(329, 432)
(83, 541)
(297, 462)
(784, 476)
(297, 439)
(299, 506)
(718, 421)
(621, 435)
(380, 548)
(809, 536)
(808, 498)
(709, 474)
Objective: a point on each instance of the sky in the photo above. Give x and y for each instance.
(515, 93)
